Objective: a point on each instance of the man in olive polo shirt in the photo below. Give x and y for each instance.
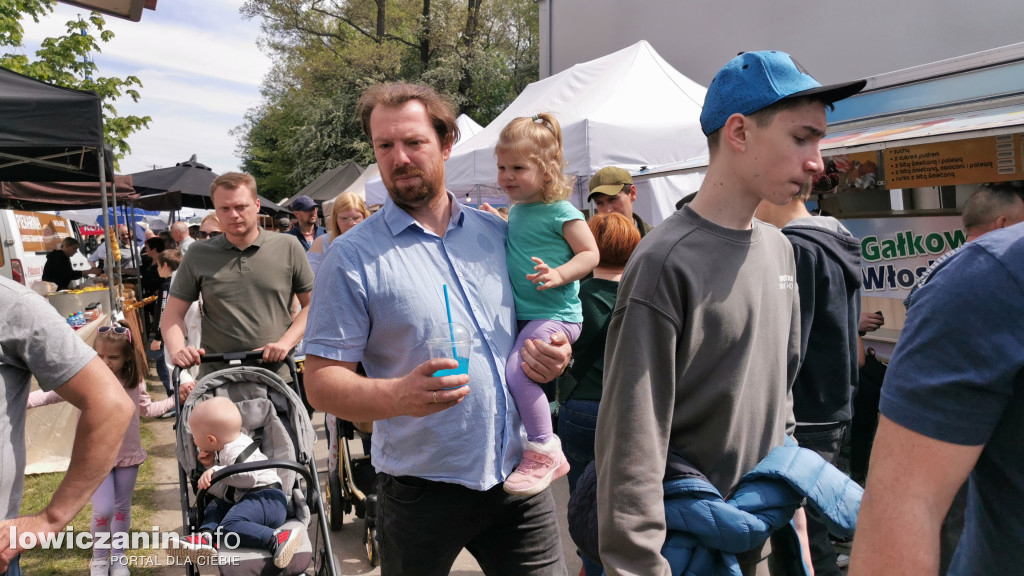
(612, 190)
(246, 277)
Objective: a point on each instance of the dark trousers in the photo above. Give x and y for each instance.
(157, 357)
(577, 426)
(826, 440)
(423, 525)
(254, 518)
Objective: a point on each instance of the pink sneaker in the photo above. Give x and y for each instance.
(541, 464)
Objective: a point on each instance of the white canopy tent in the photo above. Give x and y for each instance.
(629, 109)
(467, 129)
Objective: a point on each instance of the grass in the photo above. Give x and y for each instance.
(40, 488)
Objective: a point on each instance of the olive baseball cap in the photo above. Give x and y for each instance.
(609, 181)
(755, 80)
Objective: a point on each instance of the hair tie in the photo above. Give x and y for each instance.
(536, 118)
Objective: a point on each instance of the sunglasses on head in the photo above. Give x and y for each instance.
(117, 330)
(205, 235)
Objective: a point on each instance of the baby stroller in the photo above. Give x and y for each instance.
(273, 415)
(352, 482)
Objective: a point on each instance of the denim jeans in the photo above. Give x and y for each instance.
(827, 441)
(577, 425)
(157, 357)
(423, 525)
(254, 519)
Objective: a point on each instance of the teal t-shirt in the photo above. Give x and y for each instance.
(535, 230)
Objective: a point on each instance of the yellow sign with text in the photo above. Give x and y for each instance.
(991, 159)
(41, 232)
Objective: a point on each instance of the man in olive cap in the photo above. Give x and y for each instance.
(612, 190)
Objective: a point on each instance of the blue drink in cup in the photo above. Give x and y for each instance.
(442, 345)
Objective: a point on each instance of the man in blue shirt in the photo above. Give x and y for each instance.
(444, 448)
(952, 409)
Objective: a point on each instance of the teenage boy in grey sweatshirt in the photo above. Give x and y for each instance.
(703, 345)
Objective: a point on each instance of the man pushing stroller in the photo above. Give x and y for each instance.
(255, 507)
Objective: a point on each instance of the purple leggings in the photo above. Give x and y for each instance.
(112, 508)
(533, 405)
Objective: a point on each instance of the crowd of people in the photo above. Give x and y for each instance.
(687, 360)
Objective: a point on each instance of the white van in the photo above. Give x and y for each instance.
(25, 240)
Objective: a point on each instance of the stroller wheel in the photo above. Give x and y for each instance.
(372, 548)
(335, 503)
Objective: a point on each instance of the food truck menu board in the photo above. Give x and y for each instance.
(991, 159)
(41, 232)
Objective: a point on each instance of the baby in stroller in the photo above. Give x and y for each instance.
(256, 505)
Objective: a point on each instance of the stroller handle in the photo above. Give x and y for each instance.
(244, 356)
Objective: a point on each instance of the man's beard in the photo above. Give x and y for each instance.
(412, 198)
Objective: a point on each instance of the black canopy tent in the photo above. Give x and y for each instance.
(49, 134)
(328, 184)
(23, 195)
(184, 184)
(53, 134)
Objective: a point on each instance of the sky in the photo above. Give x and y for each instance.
(200, 70)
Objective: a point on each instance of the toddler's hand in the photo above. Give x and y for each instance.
(546, 276)
(204, 480)
(206, 458)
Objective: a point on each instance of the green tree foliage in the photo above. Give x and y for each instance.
(479, 53)
(64, 61)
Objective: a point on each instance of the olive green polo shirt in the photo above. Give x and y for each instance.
(247, 294)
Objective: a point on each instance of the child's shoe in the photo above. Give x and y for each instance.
(541, 464)
(195, 546)
(119, 566)
(284, 545)
(99, 567)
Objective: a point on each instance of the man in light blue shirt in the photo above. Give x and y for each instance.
(443, 448)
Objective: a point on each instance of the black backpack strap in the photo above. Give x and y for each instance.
(257, 440)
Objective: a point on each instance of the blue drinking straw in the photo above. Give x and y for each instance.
(451, 328)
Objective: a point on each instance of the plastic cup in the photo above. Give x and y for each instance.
(440, 345)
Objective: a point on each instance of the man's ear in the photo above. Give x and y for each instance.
(632, 193)
(1000, 222)
(446, 148)
(734, 132)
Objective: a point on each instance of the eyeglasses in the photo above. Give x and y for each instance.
(117, 330)
(205, 235)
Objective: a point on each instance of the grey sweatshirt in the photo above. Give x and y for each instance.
(702, 351)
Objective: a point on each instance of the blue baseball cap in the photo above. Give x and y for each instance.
(756, 80)
(302, 204)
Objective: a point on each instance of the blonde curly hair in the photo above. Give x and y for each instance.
(539, 139)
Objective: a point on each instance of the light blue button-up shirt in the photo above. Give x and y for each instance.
(378, 293)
